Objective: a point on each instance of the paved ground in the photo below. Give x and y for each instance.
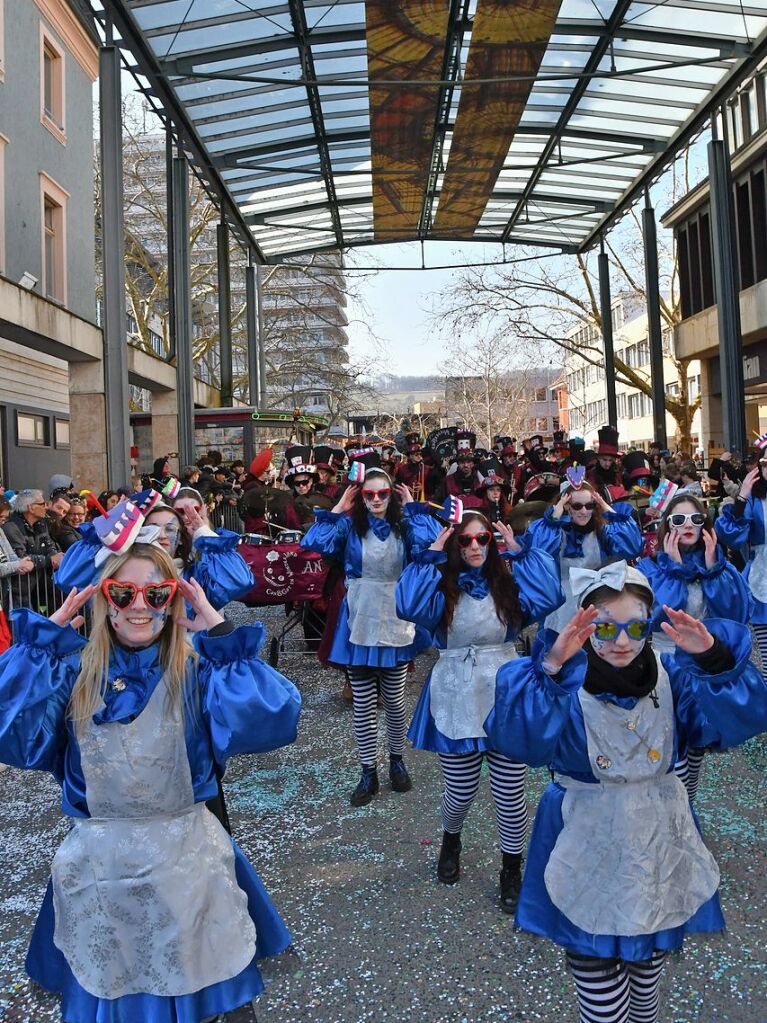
(377, 938)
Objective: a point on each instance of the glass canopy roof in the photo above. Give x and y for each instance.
(333, 124)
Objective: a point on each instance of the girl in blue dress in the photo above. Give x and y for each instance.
(743, 525)
(372, 535)
(617, 872)
(474, 601)
(690, 573)
(582, 530)
(153, 912)
(209, 556)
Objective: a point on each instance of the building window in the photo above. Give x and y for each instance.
(62, 433)
(53, 216)
(52, 85)
(31, 431)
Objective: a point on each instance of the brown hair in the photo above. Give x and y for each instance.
(675, 501)
(597, 516)
(184, 550)
(503, 587)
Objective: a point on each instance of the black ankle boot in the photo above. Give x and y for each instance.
(398, 776)
(449, 862)
(367, 787)
(511, 881)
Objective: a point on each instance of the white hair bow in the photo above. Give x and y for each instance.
(584, 580)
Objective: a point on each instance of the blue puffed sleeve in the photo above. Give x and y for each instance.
(531, 710)
(420, 527)
(78, 564)
(738, 530)
(219, 568)
(248, 705)
(536, 574)
(668, 587)
(328, 534)
(37, 675)
(545, 533)
(719, 711)
(725, 589)
(418, 594)
(621, 536)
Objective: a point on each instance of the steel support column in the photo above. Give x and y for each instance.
(605, 308)
(251, 321)
(116, 392)
(224, 313)
(170, 149)
(727, 297)
(181, 302)
(654, 330)
(261, 346)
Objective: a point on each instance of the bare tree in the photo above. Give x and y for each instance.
(485, 389)
(540, 303)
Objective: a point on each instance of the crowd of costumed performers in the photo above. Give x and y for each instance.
(152, 912)
(587, 617)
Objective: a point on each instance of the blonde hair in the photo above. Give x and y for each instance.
(91, 683)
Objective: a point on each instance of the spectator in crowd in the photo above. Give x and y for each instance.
(124, 494)
(190, 476)
(728, 472)
(69, 531)
(10, 563)
(63, 482)
(27, 532)
(690, 484)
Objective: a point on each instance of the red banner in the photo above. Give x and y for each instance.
(283, 572)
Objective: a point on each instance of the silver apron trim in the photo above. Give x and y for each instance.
(371, 602)
(145, 892)
(629, 859)
(694, 606)
(462, 688)
(592, 558)
(757, 575)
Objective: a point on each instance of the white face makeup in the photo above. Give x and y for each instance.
(622, 650)
(376, 493)
(137, 625)
(606, 461)
(474, 555)
(688, 533)
(170, 529)
(581, 506)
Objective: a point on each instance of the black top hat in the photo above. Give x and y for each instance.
(367, 457)
(492, 474)
(635, 465)
(465, 441)
(576, 445)
(322, 456)
(413, 441)
(608, 441)
(299, 458)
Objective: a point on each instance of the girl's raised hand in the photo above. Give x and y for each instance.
(561, 505)
(441, 539)
(405, 494)
(687, 632)
(205, 615)
(748, 483)
(507, 533)
(67, 614)
(193, 520)
(346, 501)
(671, 545)
(572, 637)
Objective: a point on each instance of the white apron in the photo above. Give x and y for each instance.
(592, 558)
(462, 685)
(372, 607)
(145, 894)
(629, 859)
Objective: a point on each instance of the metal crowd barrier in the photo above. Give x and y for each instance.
(230, 518)
(35, 590)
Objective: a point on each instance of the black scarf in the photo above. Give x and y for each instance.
(637, 679)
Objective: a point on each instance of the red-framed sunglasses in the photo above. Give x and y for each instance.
(371, 495)
(122, 595)
(464, 539)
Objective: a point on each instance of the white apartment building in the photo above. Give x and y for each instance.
(587, 390)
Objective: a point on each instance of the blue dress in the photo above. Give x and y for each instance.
(218, 567)
(334, 536)
(570, 547)
(749, 529)
(540, 721)
(420, 599)
(236, 704)
(719, 592)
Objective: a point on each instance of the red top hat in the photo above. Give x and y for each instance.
(608, 441)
